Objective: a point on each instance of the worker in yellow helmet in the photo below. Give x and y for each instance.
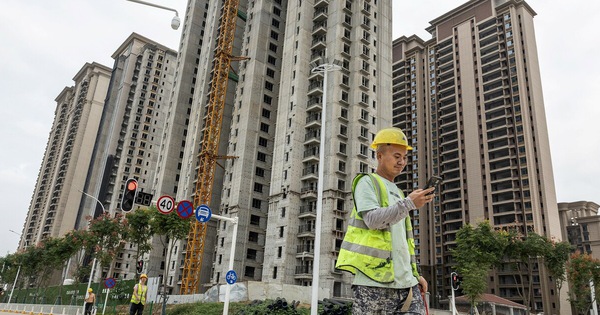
(378, 247)
(138, 298)
(90, 299)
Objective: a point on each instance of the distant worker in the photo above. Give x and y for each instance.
(138, 298)
(379, 247)
(89, 301)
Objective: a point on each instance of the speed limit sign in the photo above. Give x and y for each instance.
(165, 204)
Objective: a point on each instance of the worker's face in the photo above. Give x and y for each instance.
(391, 160)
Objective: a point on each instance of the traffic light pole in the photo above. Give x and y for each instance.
(453, 300)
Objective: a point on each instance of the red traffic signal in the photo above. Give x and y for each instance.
(140, 266)
(129, 195)
(455, 281)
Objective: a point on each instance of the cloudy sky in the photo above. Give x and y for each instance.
(45, 43)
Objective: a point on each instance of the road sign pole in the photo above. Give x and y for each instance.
(105, 301)
(231, 256)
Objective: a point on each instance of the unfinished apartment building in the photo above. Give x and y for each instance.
(275, 131)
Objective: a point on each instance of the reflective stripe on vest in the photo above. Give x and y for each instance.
(141, 296)
(370, 251)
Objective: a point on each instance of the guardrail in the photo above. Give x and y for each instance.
(41, 309)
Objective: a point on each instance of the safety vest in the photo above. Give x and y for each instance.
(370, 250)
(141, 294)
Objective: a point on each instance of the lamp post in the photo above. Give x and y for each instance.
(175, 22)
(323, 68)
(16, 277)
(94, 261)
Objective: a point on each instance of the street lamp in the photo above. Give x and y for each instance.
(94, 261)
(323, 68)
(16, 277)
(175, 22)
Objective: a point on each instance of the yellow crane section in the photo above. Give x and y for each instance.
(210, 145)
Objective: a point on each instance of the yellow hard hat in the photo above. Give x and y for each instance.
(90, 290)
(390, 136)
(143, 275)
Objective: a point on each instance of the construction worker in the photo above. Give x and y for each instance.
(90, 299)
(138, 298)
(379, 247)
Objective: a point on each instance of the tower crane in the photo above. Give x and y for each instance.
(210, 144)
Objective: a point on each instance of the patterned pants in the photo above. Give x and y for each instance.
(384, 301)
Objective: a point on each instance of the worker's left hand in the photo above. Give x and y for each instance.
(422, 284)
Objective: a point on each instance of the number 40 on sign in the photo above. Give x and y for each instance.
(165, 204)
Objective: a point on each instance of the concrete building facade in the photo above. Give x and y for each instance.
(470, 101)
(55, 200)
(276, 128)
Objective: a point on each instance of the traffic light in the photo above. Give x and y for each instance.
(140, 266)
(454, 280)
(129, 195)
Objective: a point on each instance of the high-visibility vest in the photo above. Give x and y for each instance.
(370, 250)
(141, 294)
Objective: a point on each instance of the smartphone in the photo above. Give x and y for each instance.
(433, 182)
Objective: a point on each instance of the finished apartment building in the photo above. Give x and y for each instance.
(56, 196)
(107, 128)
(129, 135)
(470, 101)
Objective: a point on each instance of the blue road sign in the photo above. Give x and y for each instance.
(203, 213)
(185, 209)
(231, 277)
(109, 283)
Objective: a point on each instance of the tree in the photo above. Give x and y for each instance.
(524, 254)
(477, 251)
(140, 231)
(582, 269)
(108, 236)
(556, 260)
(170, 228)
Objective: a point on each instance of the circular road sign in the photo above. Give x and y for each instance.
(109, 283)
(165, 204)
(185, 209)
(231, 277)
(203, 213)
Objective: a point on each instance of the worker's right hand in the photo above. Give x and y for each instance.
(422, 196)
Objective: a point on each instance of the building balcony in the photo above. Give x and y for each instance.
(308, 192)
(307, 211)
(321, 3)
(314, 103)
(312, 137)
(319, 28)
(315, 88)
(305, 251)
(303, 272)
(311, 154)
(313, 120)
(320, 14)
(306, 230)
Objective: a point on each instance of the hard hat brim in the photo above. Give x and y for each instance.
(374, 146)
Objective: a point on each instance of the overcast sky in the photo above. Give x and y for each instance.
(45, 43)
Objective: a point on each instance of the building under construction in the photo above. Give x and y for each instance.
(271, 128)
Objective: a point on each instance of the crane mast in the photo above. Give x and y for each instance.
(210, 145)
